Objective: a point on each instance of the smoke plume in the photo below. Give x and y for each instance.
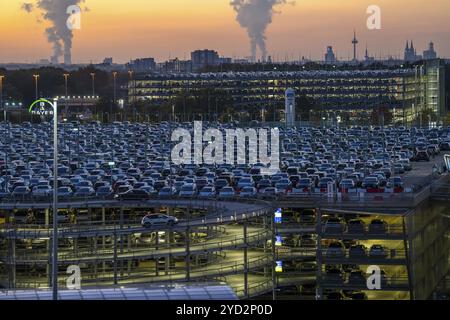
(256, 16)
(28, 7)
(58, 34)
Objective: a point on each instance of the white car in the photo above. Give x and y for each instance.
(227, 192)
(151, 220)
(42, 191)
(188, 190)
(248, 192)
(207, 192)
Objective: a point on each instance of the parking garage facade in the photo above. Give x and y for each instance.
(277, 249)
(407, 92)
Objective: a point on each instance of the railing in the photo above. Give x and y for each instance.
(387, 283)
(164, 276)
(254, 289)
(226, 242)
(391, 255)
(391, 230)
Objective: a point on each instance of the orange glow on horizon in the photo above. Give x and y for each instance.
(156, 28)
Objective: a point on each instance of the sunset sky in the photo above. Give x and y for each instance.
(162, 28)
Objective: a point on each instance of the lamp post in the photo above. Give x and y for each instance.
(93, 83)
(130, 74)
(114, 82)
(55, 202)
(54, 253)
(1, 98)
(4, 119)
(66, 77)
(36, 78)
(115, 94)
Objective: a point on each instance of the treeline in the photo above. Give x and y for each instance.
(19, 85)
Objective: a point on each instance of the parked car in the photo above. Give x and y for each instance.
(356, 226)
(334, 225)
(227, 192)
(207, 192)
(152, 220)
(65, 192)
(357, 278)
(248, 192)
(378, 226)
(378, 251)
(335, 249)
(357, 251)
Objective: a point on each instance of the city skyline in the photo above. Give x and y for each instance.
(142, 29)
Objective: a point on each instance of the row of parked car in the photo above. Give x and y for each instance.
(337, 249)
(336, 225)
(132, 161)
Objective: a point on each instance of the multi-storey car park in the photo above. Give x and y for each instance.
(319, 247)
(406, 91)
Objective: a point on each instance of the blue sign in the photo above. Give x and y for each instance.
(278, 241)
(278, 216)
(279, 266)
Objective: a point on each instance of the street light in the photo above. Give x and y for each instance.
(130, 74)
(114, 81)
(55, 202)
(66, 77)
(1, 97)
(54, 105)
(36, 78)
(4, 119)
(93, 83)
(115, 95)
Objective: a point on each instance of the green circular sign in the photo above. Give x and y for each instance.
(42, 107)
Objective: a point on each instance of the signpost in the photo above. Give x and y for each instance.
(41, 107)
(278, 216)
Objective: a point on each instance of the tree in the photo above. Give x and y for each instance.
(447, 119)
(305, 106)
(381, 116)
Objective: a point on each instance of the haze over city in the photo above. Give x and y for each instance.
(173, 28)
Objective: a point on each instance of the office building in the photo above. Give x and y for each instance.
(430, 54)
(330, 57)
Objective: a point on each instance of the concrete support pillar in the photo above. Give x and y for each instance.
(245, 260)
(156, 258)
(48, 243)
(188, 247)
(265, 246)
(130, 261)
(169, 243)
(103, 237)
(12, 263)
(115, 257)
(96, 254)
(121, 221)
(319, 290)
